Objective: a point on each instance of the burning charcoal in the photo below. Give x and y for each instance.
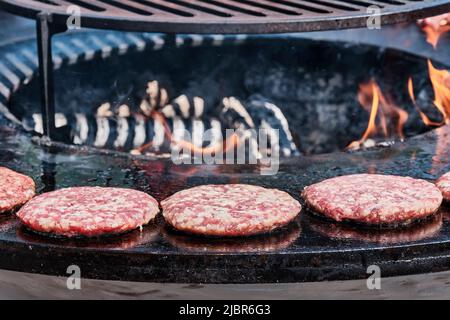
(123, 138)
(122, 133)
(158, 95)
(287, 84)
(323, 127)
(259, 113)
(190, 134)
(370, 143)
(156, 98)
(185, 123)
(105, 110)
(424, 104)
(185, 107)
(35, 123)
(172, 134)
(274, 83)
(236, 115)
(282, 82)
(146, 108)
(267, 115)
(124, 111)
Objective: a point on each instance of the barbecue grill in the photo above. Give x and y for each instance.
(307, 250)
(255, 16)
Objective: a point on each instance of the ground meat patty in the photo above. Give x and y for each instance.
(88, 211)
(374, 199)
(229, 210)
(444, 185)
(15, 189)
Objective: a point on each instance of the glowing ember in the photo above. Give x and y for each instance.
(435, 27)
(231, 142)
(385, 117)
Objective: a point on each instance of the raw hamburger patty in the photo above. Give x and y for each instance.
(88, 211)
(374, 199)
(229, 210)
(15, 189)
(444, 185)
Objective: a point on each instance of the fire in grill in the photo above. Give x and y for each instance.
(284, 88)
(353, 102)
(201, 17)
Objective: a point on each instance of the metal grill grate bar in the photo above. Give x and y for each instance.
(228, 16)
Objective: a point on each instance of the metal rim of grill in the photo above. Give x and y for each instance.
(228, 16)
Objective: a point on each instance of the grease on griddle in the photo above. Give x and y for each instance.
(338, 231)
(8, 223)
(122, 241)
(279, 239)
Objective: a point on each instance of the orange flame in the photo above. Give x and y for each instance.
(424, 117)
(440, 80)
(435, 27)
(230, 143)
(385, 116)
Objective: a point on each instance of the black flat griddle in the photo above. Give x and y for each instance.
(309, 249)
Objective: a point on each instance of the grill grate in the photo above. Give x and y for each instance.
(228, 16)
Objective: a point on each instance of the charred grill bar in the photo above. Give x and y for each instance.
(227, 16)
(218, 16)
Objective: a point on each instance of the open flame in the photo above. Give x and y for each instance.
(388, 119)
(435, 27)
(385, 117)
(231, 142)
(440, 80)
